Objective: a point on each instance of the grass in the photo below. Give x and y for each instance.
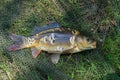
(111, 48)
(98, 19)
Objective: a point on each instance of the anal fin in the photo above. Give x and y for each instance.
(55, 58)
(35, 52)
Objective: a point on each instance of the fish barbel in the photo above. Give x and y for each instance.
(54, 39)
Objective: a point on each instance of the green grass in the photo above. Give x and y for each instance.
(99, 20)
(111, 46)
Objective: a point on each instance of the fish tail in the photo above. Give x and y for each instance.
(19, 42)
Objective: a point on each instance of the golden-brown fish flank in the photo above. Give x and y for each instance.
(48, 46)
(55, 40)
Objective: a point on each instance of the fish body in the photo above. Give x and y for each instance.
(53, 39)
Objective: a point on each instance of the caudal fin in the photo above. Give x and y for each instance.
(18, 42)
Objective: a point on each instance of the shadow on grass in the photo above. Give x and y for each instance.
(9, 13)
(42, 70)
(111, 76)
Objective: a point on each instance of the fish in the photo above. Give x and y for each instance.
(54, 39)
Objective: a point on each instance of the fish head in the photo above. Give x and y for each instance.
(85, 43)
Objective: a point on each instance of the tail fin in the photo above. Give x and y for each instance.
(18, 42)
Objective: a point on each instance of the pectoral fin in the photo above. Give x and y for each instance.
(35, 52)
(55, 58)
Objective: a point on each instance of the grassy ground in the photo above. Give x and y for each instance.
(99, 19)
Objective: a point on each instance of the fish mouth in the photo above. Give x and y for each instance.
(92, 47)
(94, 44)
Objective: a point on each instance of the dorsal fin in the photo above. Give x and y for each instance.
(46, 27)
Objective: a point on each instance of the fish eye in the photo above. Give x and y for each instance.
(88, 39)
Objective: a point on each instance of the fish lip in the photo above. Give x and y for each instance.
(94, 44)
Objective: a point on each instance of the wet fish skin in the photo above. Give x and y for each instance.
(60, 43)
(69, 42)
